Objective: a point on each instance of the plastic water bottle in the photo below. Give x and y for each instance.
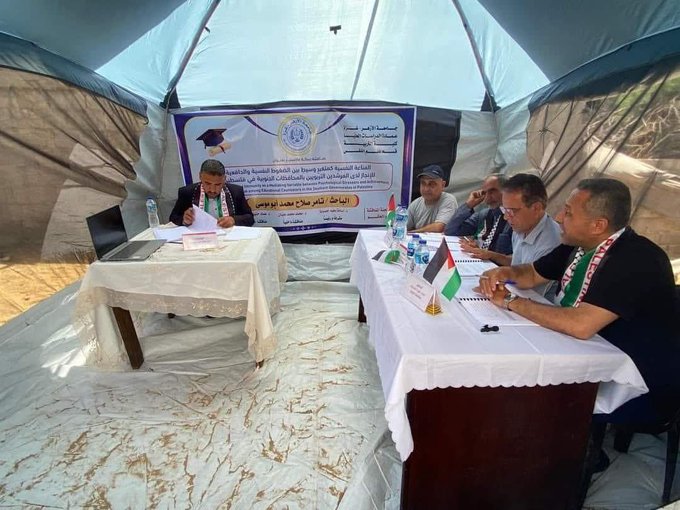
(400, 222)
(421, 257)
(152, 212)
(410, 252)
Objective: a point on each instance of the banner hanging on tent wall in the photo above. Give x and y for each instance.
(307, 170)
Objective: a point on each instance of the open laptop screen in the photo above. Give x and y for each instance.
(107, 230)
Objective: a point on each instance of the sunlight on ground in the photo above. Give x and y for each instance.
(26, 284)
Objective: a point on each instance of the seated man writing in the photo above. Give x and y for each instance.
(433, 209)
(488, 227)
(534, 232)
(214, 195)
(612, 281)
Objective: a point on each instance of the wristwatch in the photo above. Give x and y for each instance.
(509, 298)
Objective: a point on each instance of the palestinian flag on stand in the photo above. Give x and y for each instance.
(442, 273)
(391, 211)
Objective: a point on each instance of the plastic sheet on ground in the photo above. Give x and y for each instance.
(199, 426)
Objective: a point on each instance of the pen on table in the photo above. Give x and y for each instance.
(508, 282)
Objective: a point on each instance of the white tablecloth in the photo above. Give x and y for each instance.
(418, 351)
(237, 279)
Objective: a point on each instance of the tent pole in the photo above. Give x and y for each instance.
(485, 79)
(185, 61)
(478, 57)
(167, 102)
(363, 50)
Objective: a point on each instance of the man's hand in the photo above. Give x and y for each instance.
(467, 243)
(475, 198)
(498, 296)
(188, 217)
(491, 283)
(226, 222)
(475, 251)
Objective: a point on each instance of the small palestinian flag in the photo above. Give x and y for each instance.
(391, 211)
(442, 273)
(387, 256)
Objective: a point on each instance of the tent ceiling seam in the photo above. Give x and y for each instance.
(611, 52)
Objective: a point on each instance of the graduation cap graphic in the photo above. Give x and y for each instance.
(212, 137)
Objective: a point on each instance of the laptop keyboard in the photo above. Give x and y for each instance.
(127, 252)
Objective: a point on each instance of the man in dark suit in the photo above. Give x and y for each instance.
(220, 199)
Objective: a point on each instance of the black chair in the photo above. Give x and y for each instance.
(624, 435)
(671, 425)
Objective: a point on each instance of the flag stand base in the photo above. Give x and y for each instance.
(433, 308)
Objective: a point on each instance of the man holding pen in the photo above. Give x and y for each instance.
(612, 281)
(534, 232)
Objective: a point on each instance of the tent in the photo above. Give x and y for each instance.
(88, 90)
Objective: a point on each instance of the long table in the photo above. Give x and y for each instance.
(484, 420)
(240, 278)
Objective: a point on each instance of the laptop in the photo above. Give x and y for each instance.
(110, 239)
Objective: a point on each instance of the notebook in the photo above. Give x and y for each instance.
(110, 239)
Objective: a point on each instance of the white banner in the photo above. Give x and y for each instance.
(307, 170)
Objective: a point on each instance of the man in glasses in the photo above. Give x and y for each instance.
(534, 232)
(613, 282)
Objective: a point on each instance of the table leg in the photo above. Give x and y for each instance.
(505, 448)
(129, 336)
(362, 315)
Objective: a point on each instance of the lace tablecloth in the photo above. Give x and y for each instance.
(237, 279)
(416, 351)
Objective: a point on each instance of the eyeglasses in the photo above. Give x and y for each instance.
(510, 211)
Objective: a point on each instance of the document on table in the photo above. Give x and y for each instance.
(170, 234)
(472, 267)
(238, 233)
(483, 311)
(203, 222)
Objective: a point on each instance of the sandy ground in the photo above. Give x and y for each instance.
(23, 284)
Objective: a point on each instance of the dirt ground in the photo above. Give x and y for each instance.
(26, 283)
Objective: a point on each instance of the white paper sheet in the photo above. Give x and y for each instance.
(203, 222)
(238, 233)
(170, 234)
(474, 267)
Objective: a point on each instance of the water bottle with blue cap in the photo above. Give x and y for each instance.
(152, 212)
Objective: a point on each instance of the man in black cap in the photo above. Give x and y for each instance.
(220, 199)
(432, 210)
